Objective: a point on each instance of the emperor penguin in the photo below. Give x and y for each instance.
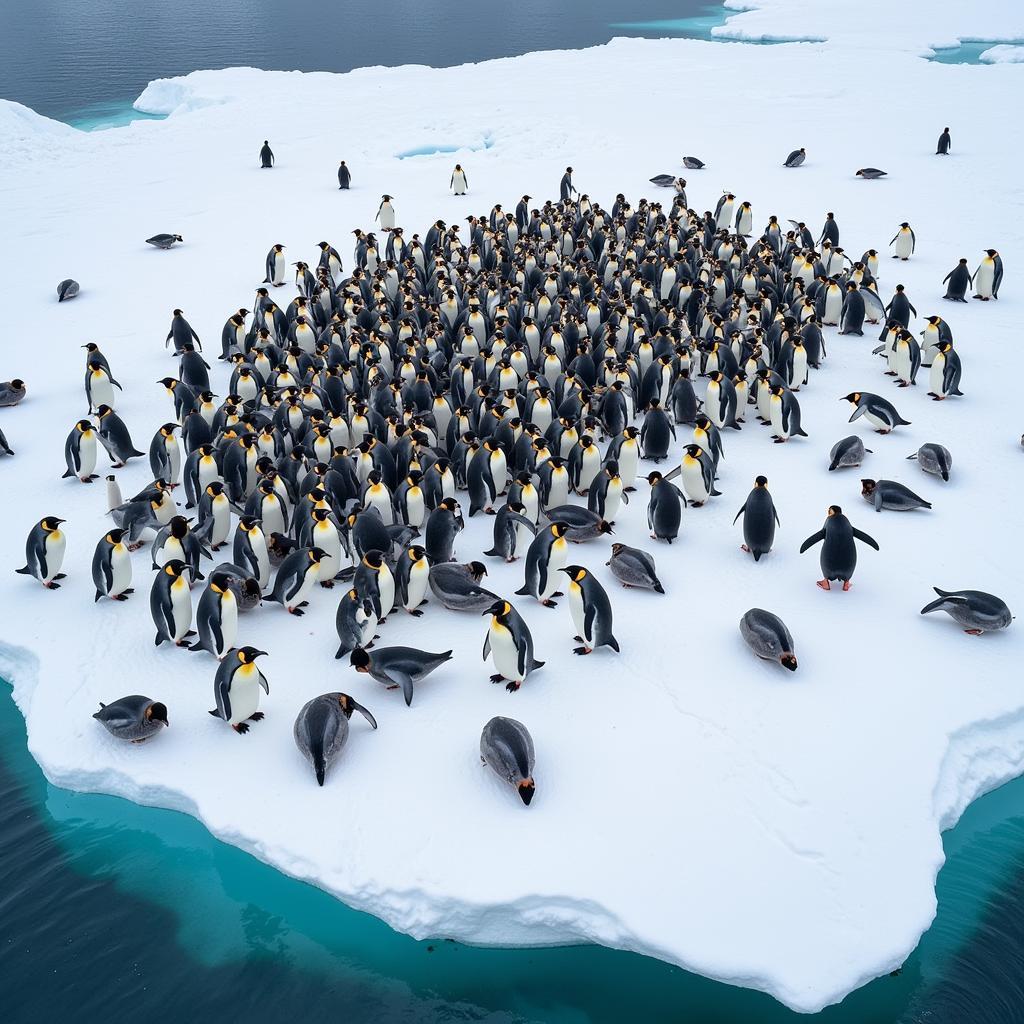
(607, 492)
(99, 386)
(759, 520)
(838, 551)
(217, 617)
(321, 729)
(80, 452)
(354, 622)
(170, 603)
(214, 515)
(881, 414)
(443, 525)
(165, 454)
(276, 266)
(957, 281)
(934, 459)
(507, 748)
(584, 464)
(975, 610)
(697, 475)
(989, 276)
(548, 553)
(112, 567)
(236, 688)
(249, 549)
(942, 148)
(509, 643)
(177, 540)
(134, 718)
(664, 510)
(115, 438)
(344, 176)
(295, 579)
(386, 214)
(327, 538)
(767, 636)
(591, 611)
(512, 530)
(374, 580)
(785, 415)
(459, 183)
(398, 667)
(266, 155)
(44, 552)
(904, 242)
(412, 575)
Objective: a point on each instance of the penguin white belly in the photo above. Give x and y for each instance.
(258, 544)
(764, 401)
(228, 622)
(541, 414)
(612, 499)
(740, 415)
(386, 583)
(879, 424)
(311, 575)
(415, 507)
(87, 455)
(171, 550)
(326, 536)
(102, 391)
(833, 308)
(120, 570)
(272, 514)
(244, 694)
(628, 461)
(173, 450)
(904, 245)
(368, 626)
(983, 279)
(776, 417)
(531, 503)
(499, 471)
(387, 217)
(557, 557)
(505, 653)
(936, 374)
(181, 608)
(902, 362)
(578, 611)
(55, 544)
(692, 477)
(382, 503)
(799, 368)
(558, 493)
(279, 268)
(713, 405)
(221, 521)
(589, 468)
(417, 588)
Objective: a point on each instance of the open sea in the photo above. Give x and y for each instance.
(114, 912)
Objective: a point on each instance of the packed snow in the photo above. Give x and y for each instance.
(772, 830)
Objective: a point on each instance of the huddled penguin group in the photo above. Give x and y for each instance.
(520, 368)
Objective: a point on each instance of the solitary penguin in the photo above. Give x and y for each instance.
(12, 392)
(767, 636)
(112, 567)
(934, 459)
(891, 495)
(266, 155)
(134, 718)
(796, 158)
(510, 645)
(398, 667)
(507, 747)
(591, 611)
(459, 183)
(67, 289)
(759, 520)
(838, 552)
(634, 568)
(164, 241)
(44, 552)
(942, 149)
(881, 414)
(321, 729)
(344, 182)
(236, 688)
(975, 610)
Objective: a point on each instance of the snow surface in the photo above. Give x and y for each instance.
(775, 831)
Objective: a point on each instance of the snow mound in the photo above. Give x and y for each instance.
(770, 830)
(1005, 54)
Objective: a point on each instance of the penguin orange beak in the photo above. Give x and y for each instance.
(788, 661)
(526, 791)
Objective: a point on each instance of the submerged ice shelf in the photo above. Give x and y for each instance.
(779, 833)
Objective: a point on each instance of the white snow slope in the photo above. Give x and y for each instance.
(770, 830)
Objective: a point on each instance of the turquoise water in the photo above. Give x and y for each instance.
(139, 913)
(970, 52)
(486, 143)
(698, 26)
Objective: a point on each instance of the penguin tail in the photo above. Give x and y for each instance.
(757, 555)
(927, 504)
(945, 476)
(135, 454)
(97, 597)
(494, 552)
(613, 644)
(67, 475)
(941, 593)
(197, 646)
(914, 456)
(523, 591)
(835, 462)
(902, 422)
(658, 587)
(801, 433)
(715, 494)
(26, 571)
(534, 665)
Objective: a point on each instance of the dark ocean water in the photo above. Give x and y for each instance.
(114, 912)
(86, 60)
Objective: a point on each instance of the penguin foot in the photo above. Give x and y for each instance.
(824, 585)
(52, 586)
(578, 639)
(890, 373)
(881, 431)
(630, 490)
(327, 584)
(846, 585)
(120, 597)
(549, 603)
(416, 612)
(61, 576)
(497, 678)
(490, 512)
(135, 546)
(903, 384)
(583, 650)
(779, 440)
(257, 716)
(296, 611)
(743, 547)
(512, 687)
(242, 728)
(974, 632)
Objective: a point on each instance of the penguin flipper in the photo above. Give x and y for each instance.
(487, 645)
(738, 514)
(404, 680)
(859, 411)
(861, 536)
(673, 474)
(914, 456)
(815, 538)
(940, 603)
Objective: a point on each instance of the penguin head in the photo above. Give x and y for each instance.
(559, 529)
(853, 396)
(168, 429)
(83, 426)
(992, 254)
(177, 312)
(654, 477)
(178, 527)
(247, 655)
(788, 660)
(114, 537)
(477, 570)
(360, 661)
(777, 389)
(321, 514)
(156, 712)
(499, 609)
(834, 510)
(868, 487)
(220, 582)
(904, 225)
(373, 558)
(693, 450)
(575, 572)
(761, 481)
(526, 789)
(215, 488)
(174, 568)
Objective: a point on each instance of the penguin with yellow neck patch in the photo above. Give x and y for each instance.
(236, 688)
(509, 644)
(591, 611)
(547, 554)
(217, 617)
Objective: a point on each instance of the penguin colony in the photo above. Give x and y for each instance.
(541, 358)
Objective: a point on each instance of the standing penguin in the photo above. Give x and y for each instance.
(266, 155)
(507, 747)
(838, 552)
(566, 187)
(785, 415)
(510, 644)
(170, 603)
(217, 617)
(664, 510)
(115, 438)
(412, 574)
(759, 520)
(989, 276)
(942, 149)
(249, 549)
(511, 530)
(112, 567)
(386, 213)
(236, 688)
(459, 183)
(80, 452)
(957, 281)
(276, 265)
(44, 552)
(944, 376)
(295, 579)
(344, 176)
(547, 554)
(165, 454)
(321, 729)
(697, 473)
(591, 611)
(443, 525)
